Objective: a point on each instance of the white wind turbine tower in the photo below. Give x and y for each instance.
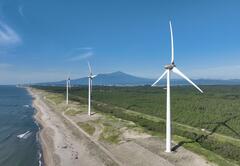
(168, 69)
(68, 85)
(90, 78)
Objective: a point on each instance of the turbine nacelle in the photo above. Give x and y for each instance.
(170, 67)
(68, 82)
(92, 76)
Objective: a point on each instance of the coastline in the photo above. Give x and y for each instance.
(46, 156)
(64, 142)
(60, 143)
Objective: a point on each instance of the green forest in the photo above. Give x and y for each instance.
(211, 119)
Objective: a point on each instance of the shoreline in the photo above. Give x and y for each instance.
(73, 146)
(45, 136)
(60, 145)
(39, 144)
(37, 117)
(41, 161)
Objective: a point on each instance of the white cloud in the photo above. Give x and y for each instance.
(81, 53)
(81, 56)
(7, 35)
(20, 10)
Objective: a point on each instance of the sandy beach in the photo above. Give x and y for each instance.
(60, 146)
(65, 143)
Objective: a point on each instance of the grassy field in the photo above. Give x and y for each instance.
(87, 127)
(217, 111)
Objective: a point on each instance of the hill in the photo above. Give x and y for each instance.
(123, 79)
(110, 79)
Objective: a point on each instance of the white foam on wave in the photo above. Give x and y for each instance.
(24, 135)
(26, 106)
(37, 124)
(39, 159)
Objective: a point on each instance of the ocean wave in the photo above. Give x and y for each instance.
(24, 135)
(39, 158)
(26, 106)
(38, 125)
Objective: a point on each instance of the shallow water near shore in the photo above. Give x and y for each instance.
(19, 145)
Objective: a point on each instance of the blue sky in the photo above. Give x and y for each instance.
(44, 40)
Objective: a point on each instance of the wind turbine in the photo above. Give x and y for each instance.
(68, 85)
(168, 69)
(90, 78)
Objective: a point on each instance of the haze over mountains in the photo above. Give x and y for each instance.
(123, 79)
(109, 79)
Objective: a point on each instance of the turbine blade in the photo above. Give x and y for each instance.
(93, 76)
(89, 67)
(172, 45)
(178, 72)
(160, 78)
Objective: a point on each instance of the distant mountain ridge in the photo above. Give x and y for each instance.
(122, 79)
(110, 79)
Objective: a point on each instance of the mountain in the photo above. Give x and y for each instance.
(122, 79)
(110, 79)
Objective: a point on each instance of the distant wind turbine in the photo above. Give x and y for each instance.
(168, 68)
(68, 86)
(90, 78)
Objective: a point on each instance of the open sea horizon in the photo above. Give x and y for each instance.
(19, 143)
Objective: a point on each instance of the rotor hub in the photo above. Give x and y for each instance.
(170, 66)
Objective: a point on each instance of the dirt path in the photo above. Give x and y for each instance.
(143, 150)
(73, 146)
(127, 154)
(128, 151)
(60, 146)
(90, 138)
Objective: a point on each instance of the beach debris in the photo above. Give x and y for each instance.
(76, 155)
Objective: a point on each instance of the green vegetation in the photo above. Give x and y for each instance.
(217, 111)
(56, 98)
(110, 134)
(72, 112)
(212, 157)
(87, 127)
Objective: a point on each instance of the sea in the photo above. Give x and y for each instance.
(19, 143)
